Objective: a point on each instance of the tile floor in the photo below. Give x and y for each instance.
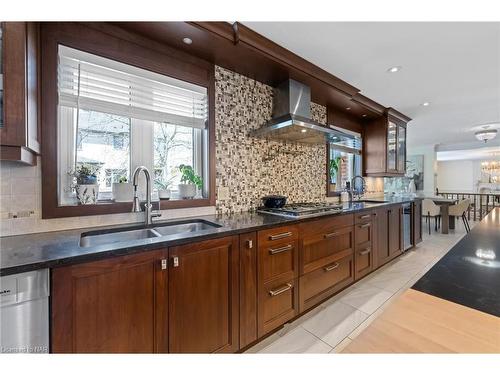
(333, 324)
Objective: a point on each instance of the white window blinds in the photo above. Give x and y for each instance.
(92, 82)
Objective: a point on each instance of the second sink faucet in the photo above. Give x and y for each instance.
(136, 207)
(353, 190)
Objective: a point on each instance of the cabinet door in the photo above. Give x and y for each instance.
(394, 231)
(117, 305)
(203, 297)
(417, 222)
(363, 254)
(401, 149)
(392, 140)
(248, 288)
(382, 236)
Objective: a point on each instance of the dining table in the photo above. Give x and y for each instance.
(447, 222)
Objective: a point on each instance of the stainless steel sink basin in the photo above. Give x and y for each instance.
(89, 239)
(369, 201)
(97, 238)
(185, 227)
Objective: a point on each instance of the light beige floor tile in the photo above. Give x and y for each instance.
(335, 322)
(341, 346)
(366, 298)
(297, 341)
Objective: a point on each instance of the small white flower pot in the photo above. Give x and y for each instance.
(187, 191)
(123, 192)
(164, 194)
(87, 194)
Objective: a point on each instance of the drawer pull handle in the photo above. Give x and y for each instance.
(364, 217)
(278, 291)
(366, 251)
(280, 236)
(330, 235)
(332, 267)
(250, 244)
(365, 225)
(280, 249)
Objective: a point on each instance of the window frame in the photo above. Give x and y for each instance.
(112, 42)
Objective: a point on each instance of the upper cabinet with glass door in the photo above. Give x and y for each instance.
(19, 133)
(384, 151)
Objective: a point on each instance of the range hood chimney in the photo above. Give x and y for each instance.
(291, 120)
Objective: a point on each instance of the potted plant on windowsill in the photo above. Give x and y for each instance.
(86, 188)
(122, 190)
(163, 187)
(334, 170)
(190, 181)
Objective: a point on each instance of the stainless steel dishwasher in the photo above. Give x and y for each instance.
(24, 312)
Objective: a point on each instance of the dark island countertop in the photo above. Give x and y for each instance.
(469, 274)
(52, 249)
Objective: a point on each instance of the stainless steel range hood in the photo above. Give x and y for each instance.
(292, 119)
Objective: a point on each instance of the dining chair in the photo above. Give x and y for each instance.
(459, 210)
(431, 209)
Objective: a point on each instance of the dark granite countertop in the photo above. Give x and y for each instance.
(469, 274)
(52, 249)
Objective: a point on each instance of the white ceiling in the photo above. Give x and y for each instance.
(454, 66)
(484, 153)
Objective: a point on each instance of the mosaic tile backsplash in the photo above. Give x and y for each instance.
(251, 168)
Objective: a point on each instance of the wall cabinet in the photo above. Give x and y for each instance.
(384, 145)
(19, 133)
(117, 305)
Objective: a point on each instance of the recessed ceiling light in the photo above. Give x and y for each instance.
(187, 40)
(303, 130)
(348, 108)
(426, 104)
(394, 69)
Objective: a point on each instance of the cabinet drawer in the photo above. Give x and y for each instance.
(325, 225)
(363, 260)
(363, 217)
(363, 233)
(277, 304)
(324, 282)
(278, 260)
(317, 250)
(271, 237)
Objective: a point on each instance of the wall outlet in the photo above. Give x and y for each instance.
(223, 193)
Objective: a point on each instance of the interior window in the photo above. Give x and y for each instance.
(114, 117)
(343, 166)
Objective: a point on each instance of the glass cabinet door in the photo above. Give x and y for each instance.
(401, 149)
(392, 130)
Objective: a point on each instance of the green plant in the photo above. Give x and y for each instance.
(334, 167)
(189, 176)
(123, 180)
(86, 173)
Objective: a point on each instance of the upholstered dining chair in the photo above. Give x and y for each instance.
(459, 210)
(431, 209)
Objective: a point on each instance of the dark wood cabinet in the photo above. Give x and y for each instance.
(117, 305)
(203, 287)
(388, 234)
(384, 145)
(394, 230)
(19, 132)
(364, 240)
(248, 288)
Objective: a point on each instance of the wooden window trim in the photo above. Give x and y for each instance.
(107, 41)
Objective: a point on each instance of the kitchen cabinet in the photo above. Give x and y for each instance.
(364, 241)
(384, 145)
(248, 288)
(326, 258)
(203, 287)
(388, 234)
(19, 131)
(116, 305)
(277, 274)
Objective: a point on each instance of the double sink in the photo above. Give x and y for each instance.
(96, 238)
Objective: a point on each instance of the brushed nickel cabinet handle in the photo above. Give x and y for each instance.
(365, 225)
(364, 217)
(333, 234)
(280, 249)
(366, 251)
(175, 261)
(250, 244)
(278, 291)
(163, 264)
(332, 267)
(280, 236)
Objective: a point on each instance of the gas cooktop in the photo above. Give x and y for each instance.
(301, 209)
